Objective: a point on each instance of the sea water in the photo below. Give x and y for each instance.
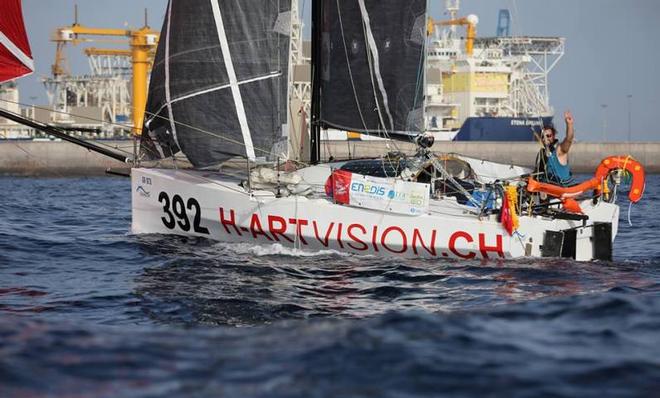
(89, 310)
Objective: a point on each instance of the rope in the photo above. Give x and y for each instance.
(629, 208)
(451, 179)
(30, 155)
(100, 143)
(213, 181)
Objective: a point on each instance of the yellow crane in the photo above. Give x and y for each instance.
(142, 43)
(470, 22)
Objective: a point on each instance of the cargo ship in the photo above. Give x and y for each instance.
(487, 88)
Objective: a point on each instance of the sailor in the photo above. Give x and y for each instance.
(552, 161)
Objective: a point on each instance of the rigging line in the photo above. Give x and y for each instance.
(216, 135)
(630, 203)
(438, 166)
(30, 155)
(371, 77)
(119, 147)
(514, 22)
(421, 73)
(385, 134)
(50, 130)
(97, 142)
(518, 27)
(126, 126)
(195, 175)
(348, 64)
(216, 88)
(267, 152)
(233, 141)
(467, 209)
(293, 133)
(376, 64)
(158, 153)
(326, 147)
(230, 139)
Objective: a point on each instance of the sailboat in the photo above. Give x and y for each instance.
(219, 94)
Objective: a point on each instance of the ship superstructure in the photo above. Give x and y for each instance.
(490, 88)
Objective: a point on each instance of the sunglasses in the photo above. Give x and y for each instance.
(548, 136)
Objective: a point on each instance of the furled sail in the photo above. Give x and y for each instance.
(372, 66)
(15, 55)
(219, 83)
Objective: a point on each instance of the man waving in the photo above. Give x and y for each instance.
(552, 161)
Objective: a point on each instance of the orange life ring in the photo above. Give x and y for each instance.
(632, 166)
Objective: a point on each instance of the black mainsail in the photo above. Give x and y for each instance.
(219, 84)
(371, 66)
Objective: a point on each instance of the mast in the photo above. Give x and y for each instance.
(315, 128)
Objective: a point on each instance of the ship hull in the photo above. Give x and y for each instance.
(501, 128)
(193, 203)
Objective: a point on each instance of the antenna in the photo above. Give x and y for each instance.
(75, 14)
(146, 15)
(452, 7)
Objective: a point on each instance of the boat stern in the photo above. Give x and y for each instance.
(584, 237)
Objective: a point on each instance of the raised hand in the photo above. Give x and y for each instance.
(568, 117)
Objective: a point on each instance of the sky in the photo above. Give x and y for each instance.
(611, 52)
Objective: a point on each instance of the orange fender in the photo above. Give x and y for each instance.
(566, 194)
(558, 191)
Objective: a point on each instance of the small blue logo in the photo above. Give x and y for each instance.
(142, 192)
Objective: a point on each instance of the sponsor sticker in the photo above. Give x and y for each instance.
(384, 194)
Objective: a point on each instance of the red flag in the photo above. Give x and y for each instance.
(338, 186)
(15, 54)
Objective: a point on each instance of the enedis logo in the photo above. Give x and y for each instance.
(368, 188)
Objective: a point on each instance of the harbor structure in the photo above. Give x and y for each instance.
(487, 88)
(113, 97)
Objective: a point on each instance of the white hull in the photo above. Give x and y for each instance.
(195, 203)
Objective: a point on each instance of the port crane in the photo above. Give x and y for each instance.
(142, 45)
